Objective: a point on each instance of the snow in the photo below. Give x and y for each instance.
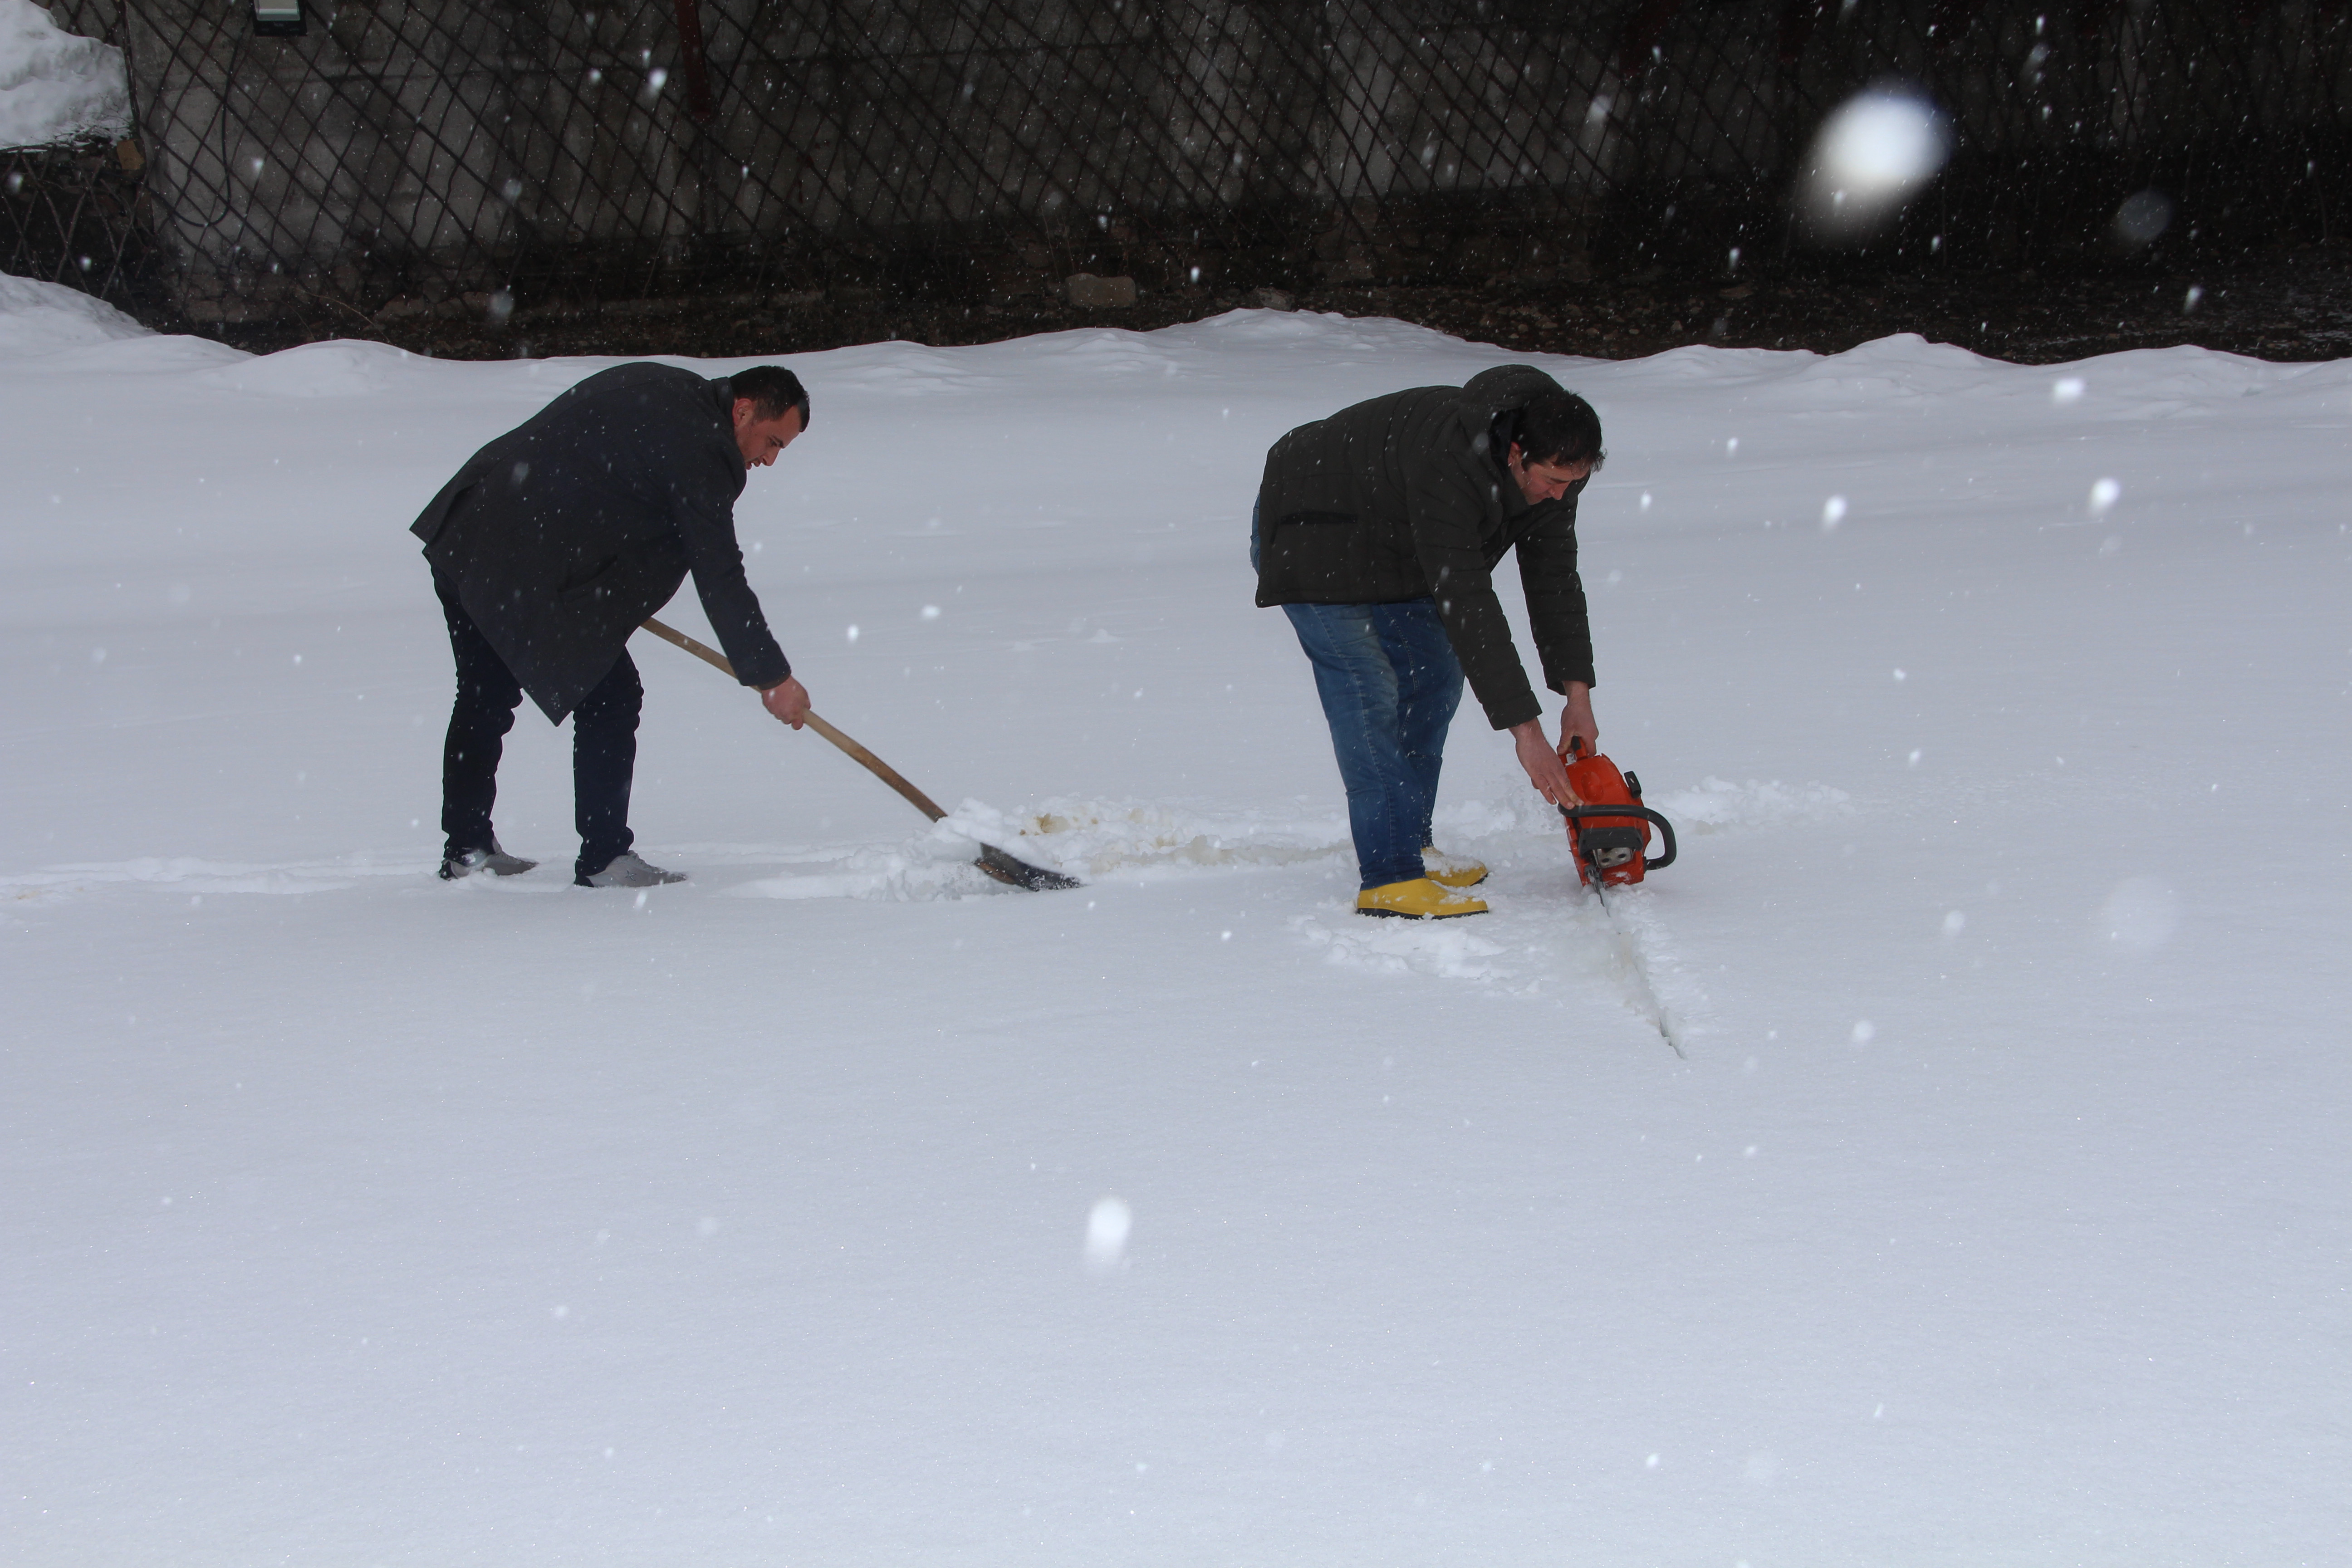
(840, 1207)
(39, 317)
(55, 86)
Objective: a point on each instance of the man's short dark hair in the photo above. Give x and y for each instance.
(772, 389)
(1559, 428)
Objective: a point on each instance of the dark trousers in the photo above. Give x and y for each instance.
(604, 745)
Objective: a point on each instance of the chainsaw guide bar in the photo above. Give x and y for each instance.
(1608, 835)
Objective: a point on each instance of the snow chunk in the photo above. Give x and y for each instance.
(55, 86)
(42, 318)
(934, 866)
(1089, 837)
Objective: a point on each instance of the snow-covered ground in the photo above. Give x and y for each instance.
(1998, 1215)
(57, 86)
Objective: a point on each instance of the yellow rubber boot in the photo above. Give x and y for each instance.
(1417, 900)
(1452, 870)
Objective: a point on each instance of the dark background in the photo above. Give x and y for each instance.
(504, 177)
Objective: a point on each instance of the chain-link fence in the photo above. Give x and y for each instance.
(404, 156)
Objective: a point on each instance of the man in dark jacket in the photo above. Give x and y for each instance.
(1378, 531)
(554, 542)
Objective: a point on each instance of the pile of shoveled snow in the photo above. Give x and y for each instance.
(56, 85)
(42, 318)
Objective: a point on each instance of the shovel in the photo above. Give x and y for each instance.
(1006, 868)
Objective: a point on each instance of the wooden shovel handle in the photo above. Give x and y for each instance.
(703, 651)
(857, 752)
(879, 768)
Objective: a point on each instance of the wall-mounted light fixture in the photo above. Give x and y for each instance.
(279, 18)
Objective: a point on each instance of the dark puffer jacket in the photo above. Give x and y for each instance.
(1404, 497)
(565, 533)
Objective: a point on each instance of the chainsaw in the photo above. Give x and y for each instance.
(1610, 833)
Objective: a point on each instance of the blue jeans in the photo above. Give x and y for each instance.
(1389, 684)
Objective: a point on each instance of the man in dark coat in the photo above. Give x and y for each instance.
(554, 542)
(1378, 531)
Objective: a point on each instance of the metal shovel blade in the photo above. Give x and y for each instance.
(1015, 873)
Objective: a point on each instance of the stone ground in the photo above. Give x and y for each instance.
(2292, 305)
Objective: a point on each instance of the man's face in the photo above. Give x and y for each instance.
(1543, 482)
(761, 439)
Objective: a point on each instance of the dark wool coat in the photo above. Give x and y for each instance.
(1405, 497)
(565, 533)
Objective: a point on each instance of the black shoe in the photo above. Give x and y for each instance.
(456, 863)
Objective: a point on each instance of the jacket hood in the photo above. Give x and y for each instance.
(1490, 392)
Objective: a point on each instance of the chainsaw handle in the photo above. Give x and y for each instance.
(1665, 828)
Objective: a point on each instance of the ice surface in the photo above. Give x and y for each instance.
(1998, 1213)
(56, 85)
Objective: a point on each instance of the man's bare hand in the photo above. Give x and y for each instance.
(1545, 770)
(789, 702)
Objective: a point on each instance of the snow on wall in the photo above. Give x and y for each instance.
(39, 317)
(56, 85)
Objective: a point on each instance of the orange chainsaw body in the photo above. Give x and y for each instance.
(1611, 847)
